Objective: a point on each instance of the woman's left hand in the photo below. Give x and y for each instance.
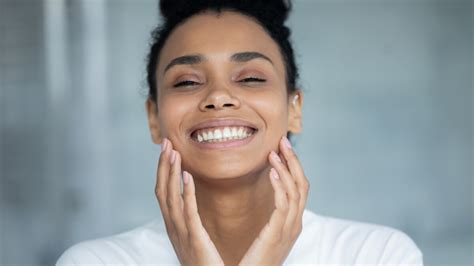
(291, 186)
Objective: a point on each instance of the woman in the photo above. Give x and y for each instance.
(222, 101)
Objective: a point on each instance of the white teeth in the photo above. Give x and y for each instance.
(219, 135)
(227, 133)
(240, 133)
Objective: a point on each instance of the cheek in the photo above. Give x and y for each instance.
(273, 109)
(172, 111)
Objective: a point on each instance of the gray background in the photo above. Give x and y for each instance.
(387, 120)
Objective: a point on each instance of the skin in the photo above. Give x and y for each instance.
(234, 208)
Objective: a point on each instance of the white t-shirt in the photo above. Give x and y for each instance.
(323, 241)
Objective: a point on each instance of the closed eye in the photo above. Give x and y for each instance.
(252, 79)
(186, 83)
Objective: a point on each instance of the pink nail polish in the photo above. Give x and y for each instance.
(173, 156)
(185, 177)
(286, 142)
(163, 145)
(275, 156)
(274, 174)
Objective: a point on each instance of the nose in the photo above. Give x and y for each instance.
(218, 99)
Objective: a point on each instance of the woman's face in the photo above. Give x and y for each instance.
(221, 74)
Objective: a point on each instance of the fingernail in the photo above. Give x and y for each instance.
(286, 142)
(185, 177)
(163, 144)
(173, 156)
(274, 174)
(275, 156)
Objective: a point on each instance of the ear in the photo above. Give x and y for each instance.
(295, 104)
(153, 123)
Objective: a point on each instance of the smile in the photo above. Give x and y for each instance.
(222, 134)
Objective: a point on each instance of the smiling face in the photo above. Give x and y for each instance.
(222, 98)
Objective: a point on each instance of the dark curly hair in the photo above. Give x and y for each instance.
(270, 14)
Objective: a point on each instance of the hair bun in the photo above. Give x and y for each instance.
(278, 10)
(172, 8)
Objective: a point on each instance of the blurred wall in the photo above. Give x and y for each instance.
(387, 120)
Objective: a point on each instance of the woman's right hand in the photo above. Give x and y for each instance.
(191, 242)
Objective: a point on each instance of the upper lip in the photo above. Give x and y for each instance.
(222, 123)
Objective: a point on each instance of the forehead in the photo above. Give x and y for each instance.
(219, 34)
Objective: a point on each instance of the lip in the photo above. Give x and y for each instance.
(222, 123)
(225, 144)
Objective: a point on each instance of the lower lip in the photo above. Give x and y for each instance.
(225, 144)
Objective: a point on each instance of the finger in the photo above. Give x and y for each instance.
(296, 171)
(193, 222)
(291, 190)
(290, 157)
(163, 169)
(278, 218)
(192, 219)
(162, 176)
(174, 199)
(283, 160)
(286, 177)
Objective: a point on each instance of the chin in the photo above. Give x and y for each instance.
(227, 171)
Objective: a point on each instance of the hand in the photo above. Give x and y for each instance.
(190, 240)
(276, 239)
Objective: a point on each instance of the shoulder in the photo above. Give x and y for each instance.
(345, 241)
(145, 244)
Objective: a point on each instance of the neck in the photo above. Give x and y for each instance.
(234, 211)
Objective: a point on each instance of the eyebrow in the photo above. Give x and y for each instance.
(185, 60)
(196, 59)
(247, 56)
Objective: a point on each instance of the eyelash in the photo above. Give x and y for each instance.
(188, 83)
(252, 79)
